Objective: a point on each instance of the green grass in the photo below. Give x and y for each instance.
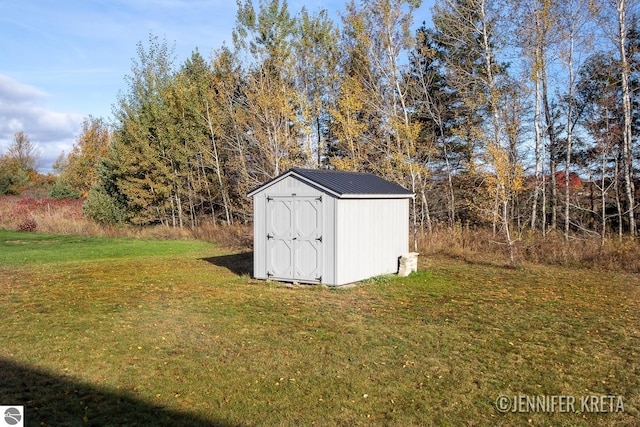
(25, 248)
(128, 332)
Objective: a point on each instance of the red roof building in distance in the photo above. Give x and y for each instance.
(575, 183)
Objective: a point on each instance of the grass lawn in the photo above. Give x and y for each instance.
(101, 332)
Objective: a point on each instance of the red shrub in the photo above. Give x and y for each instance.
(28, 224)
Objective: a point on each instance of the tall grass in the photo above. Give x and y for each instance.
(49, 215)
(480, 245)
(474, 245)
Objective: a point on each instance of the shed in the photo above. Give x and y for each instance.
(330, 227)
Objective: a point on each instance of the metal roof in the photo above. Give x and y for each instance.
(345, 184)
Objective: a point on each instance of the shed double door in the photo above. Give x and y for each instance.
(294, 238)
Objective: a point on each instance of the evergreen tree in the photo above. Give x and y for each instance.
(143, 170)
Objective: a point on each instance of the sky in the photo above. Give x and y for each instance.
(65, 60)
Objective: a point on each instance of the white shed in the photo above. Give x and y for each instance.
(330, 227)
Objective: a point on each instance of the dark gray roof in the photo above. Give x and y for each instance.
(344, 183)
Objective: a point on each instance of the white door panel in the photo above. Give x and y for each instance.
(294, 238)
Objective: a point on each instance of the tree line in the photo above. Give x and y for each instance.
(516, 114)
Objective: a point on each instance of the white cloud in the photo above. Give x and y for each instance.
(23, 108)
(15, 91)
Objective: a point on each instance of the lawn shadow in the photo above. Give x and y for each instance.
(240, 264)
(54, 400)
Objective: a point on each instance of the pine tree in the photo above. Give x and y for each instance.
(143, 167)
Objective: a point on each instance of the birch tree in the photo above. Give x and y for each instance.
(624, 12)
(534, 24)
(316, 67)
(270, 111)
(385, 36)
(574, 19)
(468, 31)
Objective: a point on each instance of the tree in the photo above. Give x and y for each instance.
(24, 152)
(534, 25)
(468, 34)
(466, 37)
(316, 62)
(624, 10)
(574, 18)
(226, 104)
(193, 157)
(348, 152)
(140, 157)
(433, 103)
(12, 177)
(269, 119)
(355, 131)
(380, 35)
(79, 168)
(598, 91)
(503, 184)
(18, 164)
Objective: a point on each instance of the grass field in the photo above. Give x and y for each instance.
(113, 332)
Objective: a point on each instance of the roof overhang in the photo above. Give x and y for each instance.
(328, 190)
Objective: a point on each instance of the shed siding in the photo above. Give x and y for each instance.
(287, 187)
(259, 236)
(329, 241)
(371, 235)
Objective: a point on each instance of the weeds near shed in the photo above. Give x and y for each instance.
(378, 280)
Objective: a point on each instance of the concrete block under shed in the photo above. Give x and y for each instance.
(408, 263)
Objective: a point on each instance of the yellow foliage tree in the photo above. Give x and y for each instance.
(79, 168)
(502, 185)
(348, 127)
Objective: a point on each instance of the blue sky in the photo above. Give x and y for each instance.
(61, 61)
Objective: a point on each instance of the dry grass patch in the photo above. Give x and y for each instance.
(479, 245)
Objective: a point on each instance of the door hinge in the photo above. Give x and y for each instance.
(319, 198)
(269, 198)
(319, 239)
(269, 274)
(319, 279)
(269, 236)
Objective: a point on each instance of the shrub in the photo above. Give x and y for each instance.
(62, 190)
(103, 209)
(28, 224)
(11, 182)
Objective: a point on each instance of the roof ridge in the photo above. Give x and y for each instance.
(345, 183)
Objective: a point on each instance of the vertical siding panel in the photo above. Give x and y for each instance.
(328, 241)
(259, 236)
(371, 236)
